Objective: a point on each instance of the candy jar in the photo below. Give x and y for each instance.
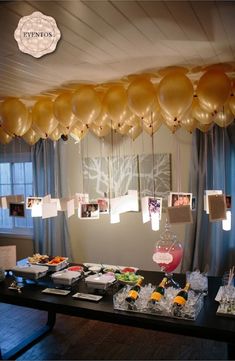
(168, 253)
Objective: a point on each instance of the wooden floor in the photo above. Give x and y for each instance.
(75, 338)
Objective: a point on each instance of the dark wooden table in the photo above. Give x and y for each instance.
(207, 325)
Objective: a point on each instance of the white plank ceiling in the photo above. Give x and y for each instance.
(105, 41)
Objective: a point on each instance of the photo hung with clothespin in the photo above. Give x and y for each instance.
(217, 207)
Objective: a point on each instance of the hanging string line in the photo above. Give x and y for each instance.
(153, 157)
(224, 160)
(179, 180)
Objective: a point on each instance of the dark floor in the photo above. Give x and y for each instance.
(75, 338)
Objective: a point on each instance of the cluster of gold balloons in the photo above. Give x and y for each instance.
(142, 105)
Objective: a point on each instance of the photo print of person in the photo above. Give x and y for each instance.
(155, 206)
(228, 200)
(89, 211)
(103, 205)
(31, 201)
(16, 210)
(180, 199)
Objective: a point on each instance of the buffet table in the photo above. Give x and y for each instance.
(207, 325)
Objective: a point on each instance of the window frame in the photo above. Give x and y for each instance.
(16, 232)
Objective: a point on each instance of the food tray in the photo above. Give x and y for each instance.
(163, 308)
(65, 277)
(30, 272)
(101, 282)
(54, 267)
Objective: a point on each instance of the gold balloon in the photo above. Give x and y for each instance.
(213, 90)
(168, 118)
(63, 109)
(100, 131)
(154, 114)
(86, 104)
(4, 137)
(172, 127)
(188, 123)
(141, 95)
(133, 120)
(78, 134)
(135, 131)
(56, 134)
(204, 127)
(44, 120)
(14, 117)
(200, 114)
(232, 104)
(151, 128)
(123, 129)
(115, 102)
(224, 117)
(31, 137)
(175, 94)
(103, 118)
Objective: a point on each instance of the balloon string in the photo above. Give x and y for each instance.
(153, 157)
(56, 169)
(179, 166)
(81, 152)
(212, 148)
(112, 193)
(224, 160)
(205, 161)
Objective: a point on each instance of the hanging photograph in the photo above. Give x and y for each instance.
(206, 194)
(103, 205)
(155, 206)
(16, 210)
(228, 200)
(32, 201)
(89, 211)
(157, 167)
(180, 214)
(217, 207)
(194, 203)
(180, 199)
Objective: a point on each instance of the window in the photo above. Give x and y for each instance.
(15, 179)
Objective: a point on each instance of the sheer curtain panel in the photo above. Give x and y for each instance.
(51, 235)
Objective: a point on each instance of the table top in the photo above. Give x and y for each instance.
(207, 324)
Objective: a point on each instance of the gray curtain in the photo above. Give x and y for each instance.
(207, 246)
(51, 236)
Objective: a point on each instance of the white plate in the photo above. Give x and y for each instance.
(116, 267)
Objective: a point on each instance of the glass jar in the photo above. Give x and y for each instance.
(168, 252)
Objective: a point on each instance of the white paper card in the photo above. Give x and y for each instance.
(7, 257)
(207, 193)
(4, 202)
(80, 198)
(70, 208)
(36, 210)
(49, 210)
(46, 199)
(145, 209)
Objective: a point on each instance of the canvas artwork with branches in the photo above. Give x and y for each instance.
(114, 176)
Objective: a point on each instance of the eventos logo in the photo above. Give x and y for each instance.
(37, 34)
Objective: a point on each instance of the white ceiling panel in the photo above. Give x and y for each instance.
(106, 40)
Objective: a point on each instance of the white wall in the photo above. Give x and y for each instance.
(129, 242)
